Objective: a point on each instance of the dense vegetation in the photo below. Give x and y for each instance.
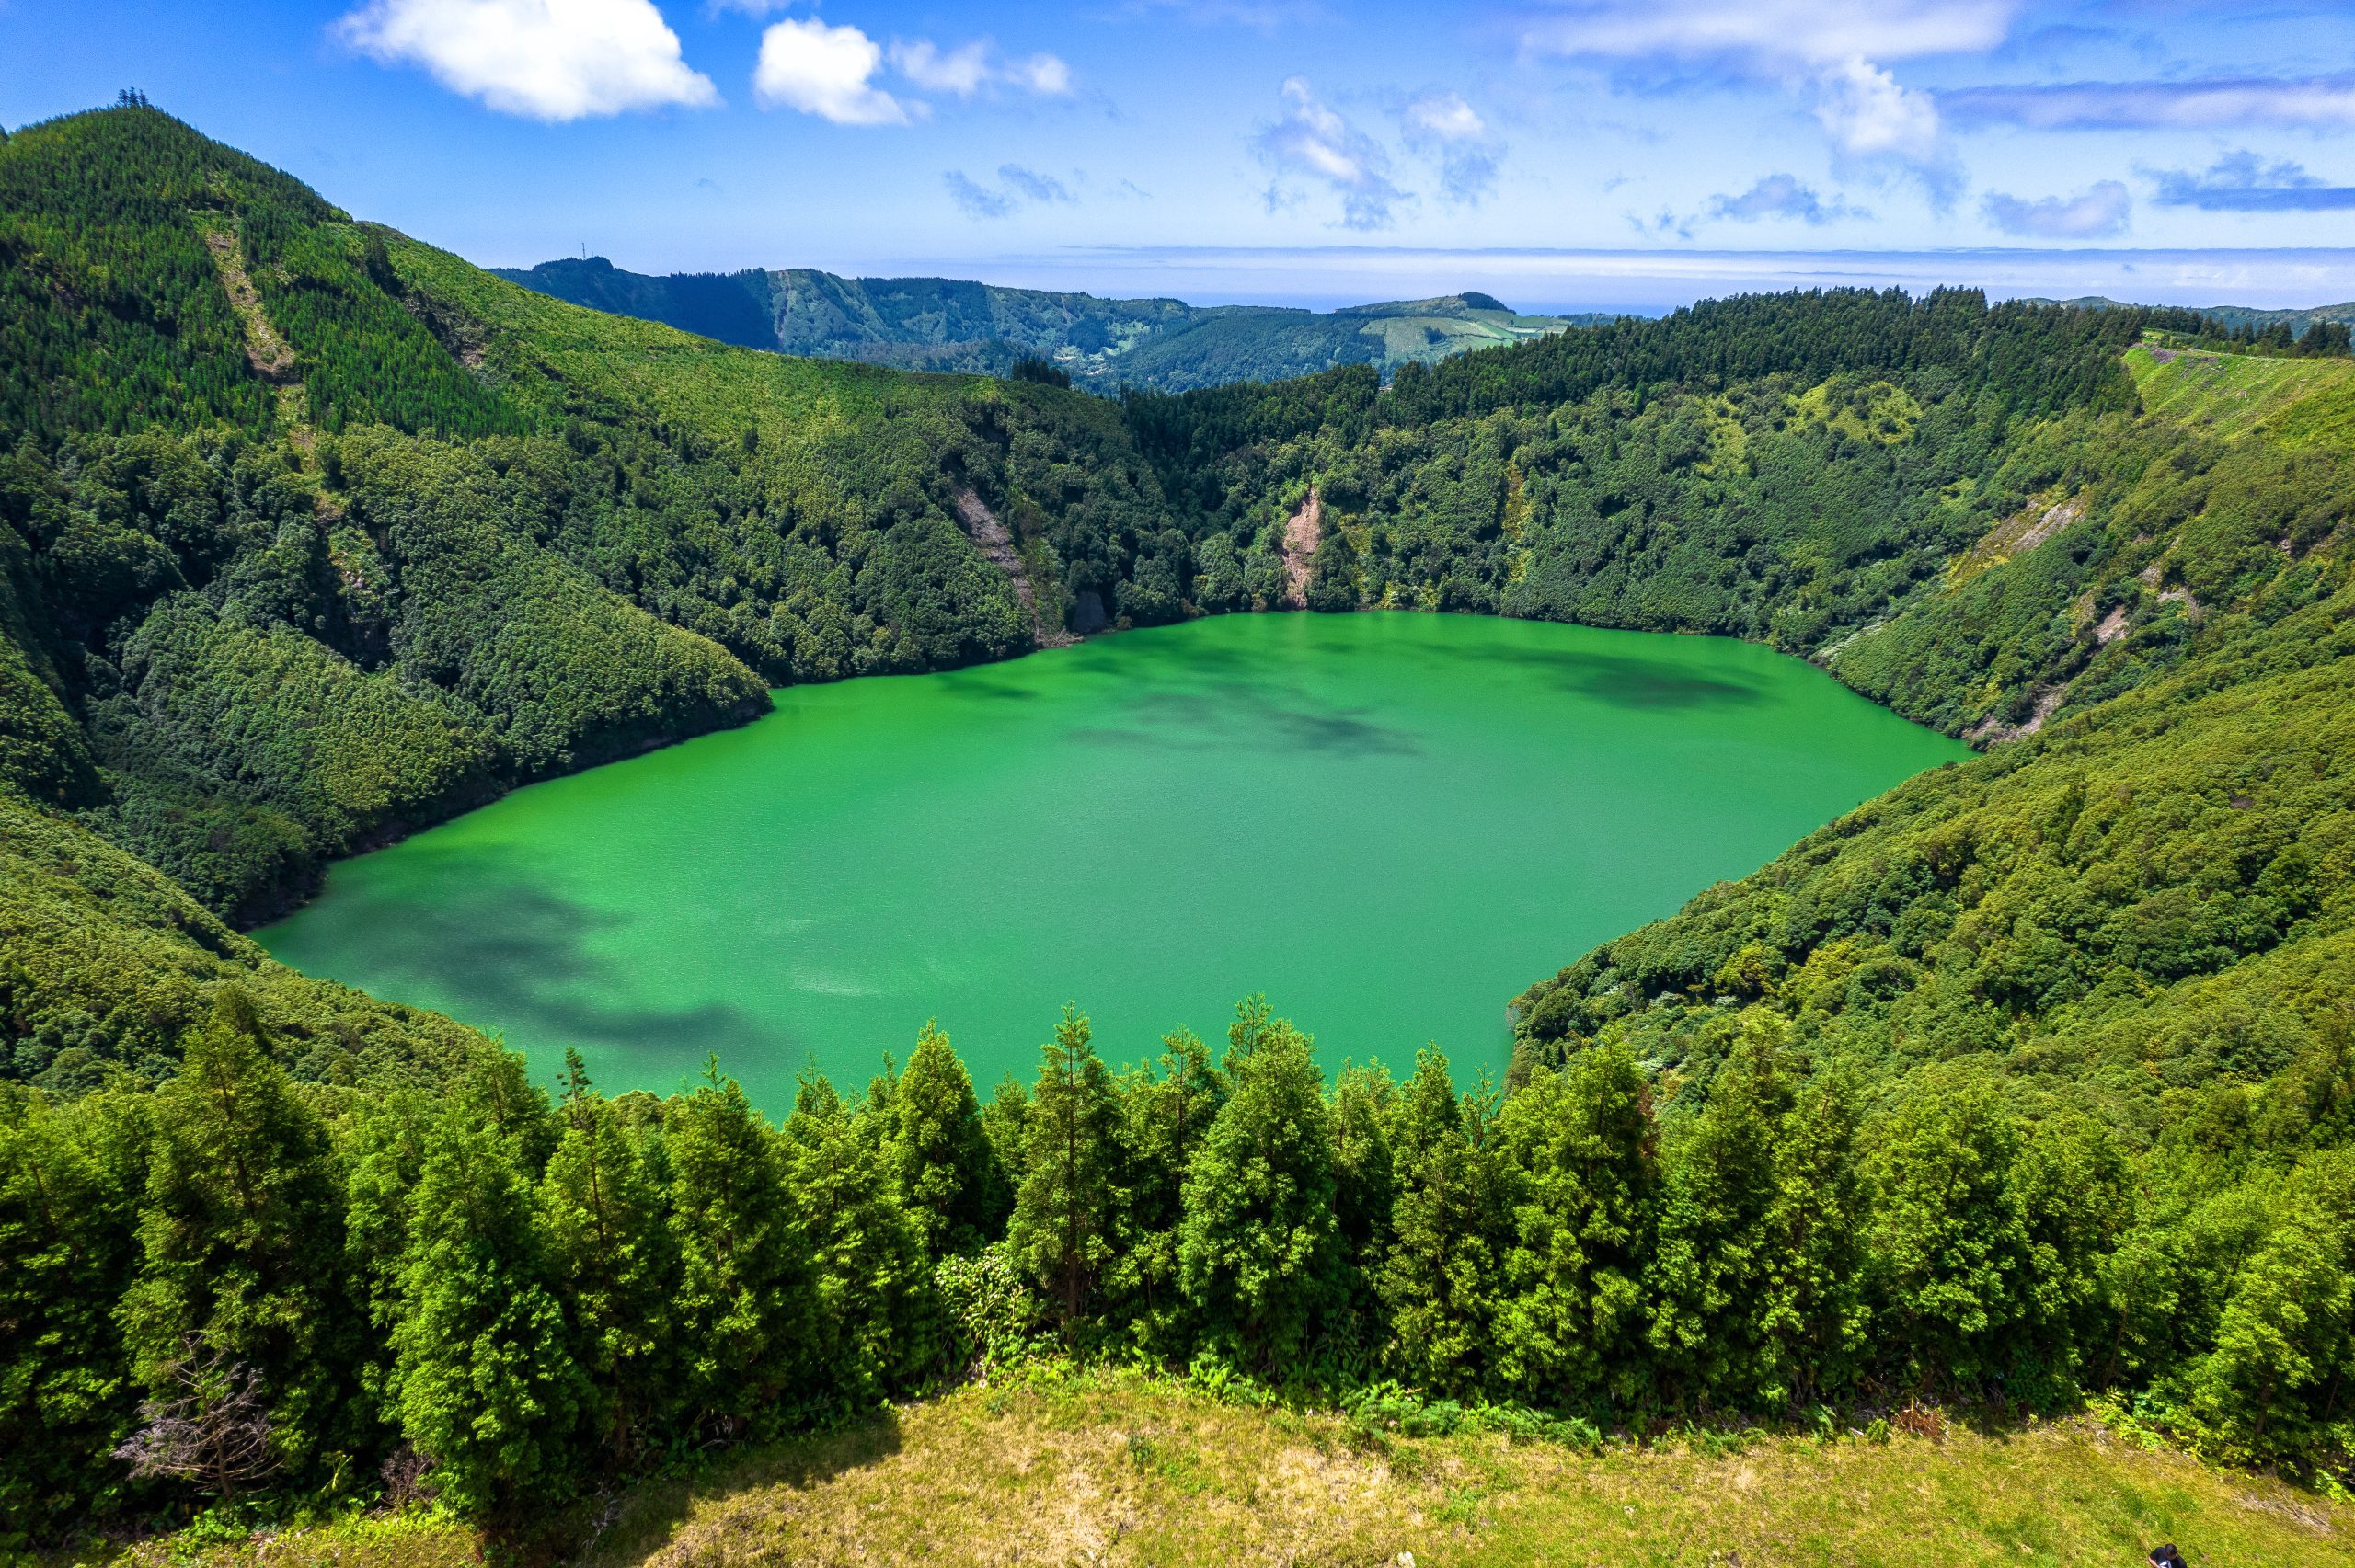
(2033, 1078)
(943, 324)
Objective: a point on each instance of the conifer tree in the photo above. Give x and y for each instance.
(743, 1306)
(1365, 1186)
(241, 1235)
(1812, 1314)
(609, 1253)
(1947, 1244)
(70, 1184)
(1438, 1284)
(1065, 1211)
(1715, 1252)
(1577, 1156)
(1258, 1253)
(1005, 1122)
(1163, 1116)
(486, 1385)
(2274, 1385)
(938, 1150)
(875, 1326)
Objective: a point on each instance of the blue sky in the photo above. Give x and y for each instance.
(1564, 154)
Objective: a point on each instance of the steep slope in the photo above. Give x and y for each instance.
(943, 323)
(347, 535)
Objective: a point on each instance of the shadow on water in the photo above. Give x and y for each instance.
(1239, 714)
(1625, 680)
(515, 957)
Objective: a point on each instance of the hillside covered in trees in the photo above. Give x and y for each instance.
(2029, 1081)
(947, 324)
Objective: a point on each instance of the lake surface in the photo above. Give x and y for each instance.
(1389, 823)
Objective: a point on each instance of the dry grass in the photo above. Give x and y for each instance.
(1142, 1473)
(1117, 1471)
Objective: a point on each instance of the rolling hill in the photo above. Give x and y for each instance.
(941, 324)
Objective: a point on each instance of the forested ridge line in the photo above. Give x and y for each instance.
(2028, 1080)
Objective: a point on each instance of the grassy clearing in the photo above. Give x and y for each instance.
(1129, 1472)
(2298, 402)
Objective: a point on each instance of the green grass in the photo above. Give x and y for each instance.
(2298, 402)
(1119, 1470)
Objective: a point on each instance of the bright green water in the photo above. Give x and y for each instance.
(1391, 824)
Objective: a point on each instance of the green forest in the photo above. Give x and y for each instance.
(2029, 1083)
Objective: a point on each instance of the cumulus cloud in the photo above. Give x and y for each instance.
(2244, 182)
(828, 72)
(1016, 188)
(1443, 126)
(1833, 51)
(2100, 212)
(552, 60)
(1780, 196)
(970, 67)
(1311, 143)
(2319, 103)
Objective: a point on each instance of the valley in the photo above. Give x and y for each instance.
(1974, 1038)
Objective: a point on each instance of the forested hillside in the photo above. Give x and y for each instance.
(947, 324)
(2027, 1082)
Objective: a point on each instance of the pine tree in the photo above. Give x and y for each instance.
(1258, 1253)
(1438, 1283)
(743, 1307)
(486, 1385)
(601, 1224)
(1065, 1211)
(875, 1326)
(1163, 1116)
(940, 1151)
(1577, 1156)
(242, 1239)
(1365, 1179)
(1709, 1270)
(1948, 1246)
(70, 1183)
(1812, 1314)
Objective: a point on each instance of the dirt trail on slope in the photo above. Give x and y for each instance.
(272, 357)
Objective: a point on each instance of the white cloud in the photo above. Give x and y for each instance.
(2321, 103)
(545, 59)
(969, 67)
(1313, 142)
(2098, 214)
(1444, 125)
(1770, 32)
(1781, 196)
(1868, 114)
(959, 71)
(1831, 50)
(827, 71)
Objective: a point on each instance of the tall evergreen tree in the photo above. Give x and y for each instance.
(1577, 1151)
(1439, 1281)
(1258, 1255)
(1812, 1315)
(70, 1183)
(1064, 1214)
(1164, 1114)
(875, 1326)
(1715, 1252)
(486, 1385)
(938, 1150)
(743, 1304)
(601, 1227)
(242, 1241)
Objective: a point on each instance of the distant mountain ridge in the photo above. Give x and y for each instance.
(945, 324)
